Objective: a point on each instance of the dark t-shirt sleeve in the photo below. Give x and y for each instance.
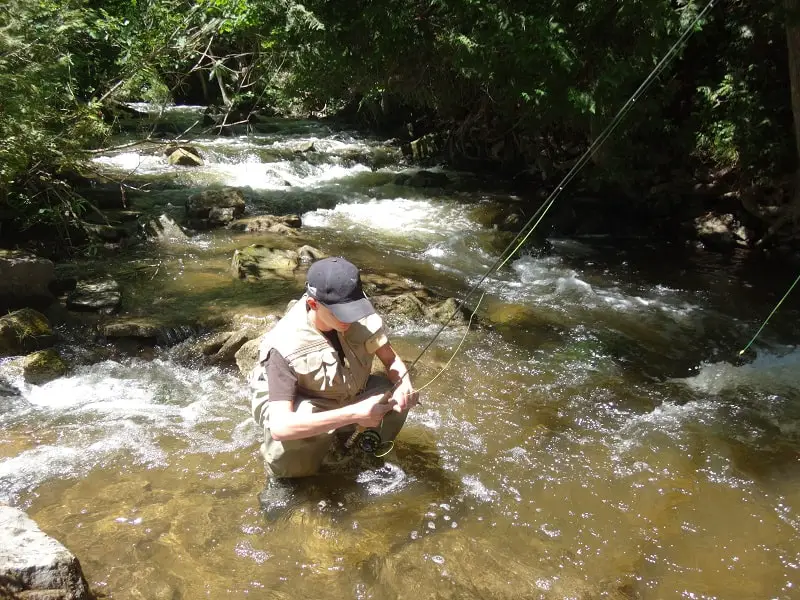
(281, 380)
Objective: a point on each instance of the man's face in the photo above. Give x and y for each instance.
(325, 319)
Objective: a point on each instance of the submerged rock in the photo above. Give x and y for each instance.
(213, 208)
(35, 566)
(24, 279)
(286, 224)
(7, 388)
(259, 262)
(422, 179)
(102, 296)
(43, 366)
(24, 331)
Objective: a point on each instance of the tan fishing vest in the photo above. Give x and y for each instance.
(320, 372)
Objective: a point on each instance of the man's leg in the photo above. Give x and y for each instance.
(297, 458)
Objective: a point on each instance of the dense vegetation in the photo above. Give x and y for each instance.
(521, 87)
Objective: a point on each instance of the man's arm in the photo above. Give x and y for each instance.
(286, 424)
(404, 394)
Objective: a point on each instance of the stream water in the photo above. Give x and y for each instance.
(596, 440)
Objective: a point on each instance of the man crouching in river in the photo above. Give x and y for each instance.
(312, 385)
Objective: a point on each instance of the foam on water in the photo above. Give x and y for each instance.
(111, 409)
(770, 372)
(401, 217)
(548, 281)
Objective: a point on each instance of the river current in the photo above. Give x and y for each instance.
(595, 438)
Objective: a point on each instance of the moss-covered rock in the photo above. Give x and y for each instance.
(258, 262)
(23, 331)
(43, 366)
(285, 224)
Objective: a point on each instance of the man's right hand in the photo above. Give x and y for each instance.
(370, 411)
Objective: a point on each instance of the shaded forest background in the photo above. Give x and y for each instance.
(517, 89)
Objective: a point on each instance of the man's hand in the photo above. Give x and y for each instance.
(369, 412)
(405, 396)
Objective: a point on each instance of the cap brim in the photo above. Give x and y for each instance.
(350, 312)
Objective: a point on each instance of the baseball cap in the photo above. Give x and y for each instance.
(336, 284)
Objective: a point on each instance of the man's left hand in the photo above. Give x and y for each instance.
(405, 396)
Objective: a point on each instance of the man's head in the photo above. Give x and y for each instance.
(335, 283)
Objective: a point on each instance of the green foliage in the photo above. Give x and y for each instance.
(517, 83)
(45, 126)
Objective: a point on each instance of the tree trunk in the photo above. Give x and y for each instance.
(793, 43)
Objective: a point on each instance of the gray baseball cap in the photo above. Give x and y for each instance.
(336, 284)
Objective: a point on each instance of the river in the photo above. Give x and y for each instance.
(595, 439)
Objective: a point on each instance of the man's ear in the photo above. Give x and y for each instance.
(312, 303)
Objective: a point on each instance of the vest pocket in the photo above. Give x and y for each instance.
(321, 371)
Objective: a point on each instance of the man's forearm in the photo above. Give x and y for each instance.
(294, 426)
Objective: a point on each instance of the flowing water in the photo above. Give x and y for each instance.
(595, 439)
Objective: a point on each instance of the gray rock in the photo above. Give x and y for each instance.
(43, 366)
(24, 331)
(24, 279)
(35, 566)
(226, 355)
(165, 229)
(98, 296)
(185, 156)
(247, 356)
(215, 207)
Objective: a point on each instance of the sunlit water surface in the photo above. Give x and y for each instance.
(594, 439)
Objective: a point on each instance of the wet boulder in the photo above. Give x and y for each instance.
(259, 262)
(24, 280)
(101, 296)
(24, 331)
(43, 366)
(720, 231)
(185, 156)
(35, 566)
(285, 224)
(214, 208)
